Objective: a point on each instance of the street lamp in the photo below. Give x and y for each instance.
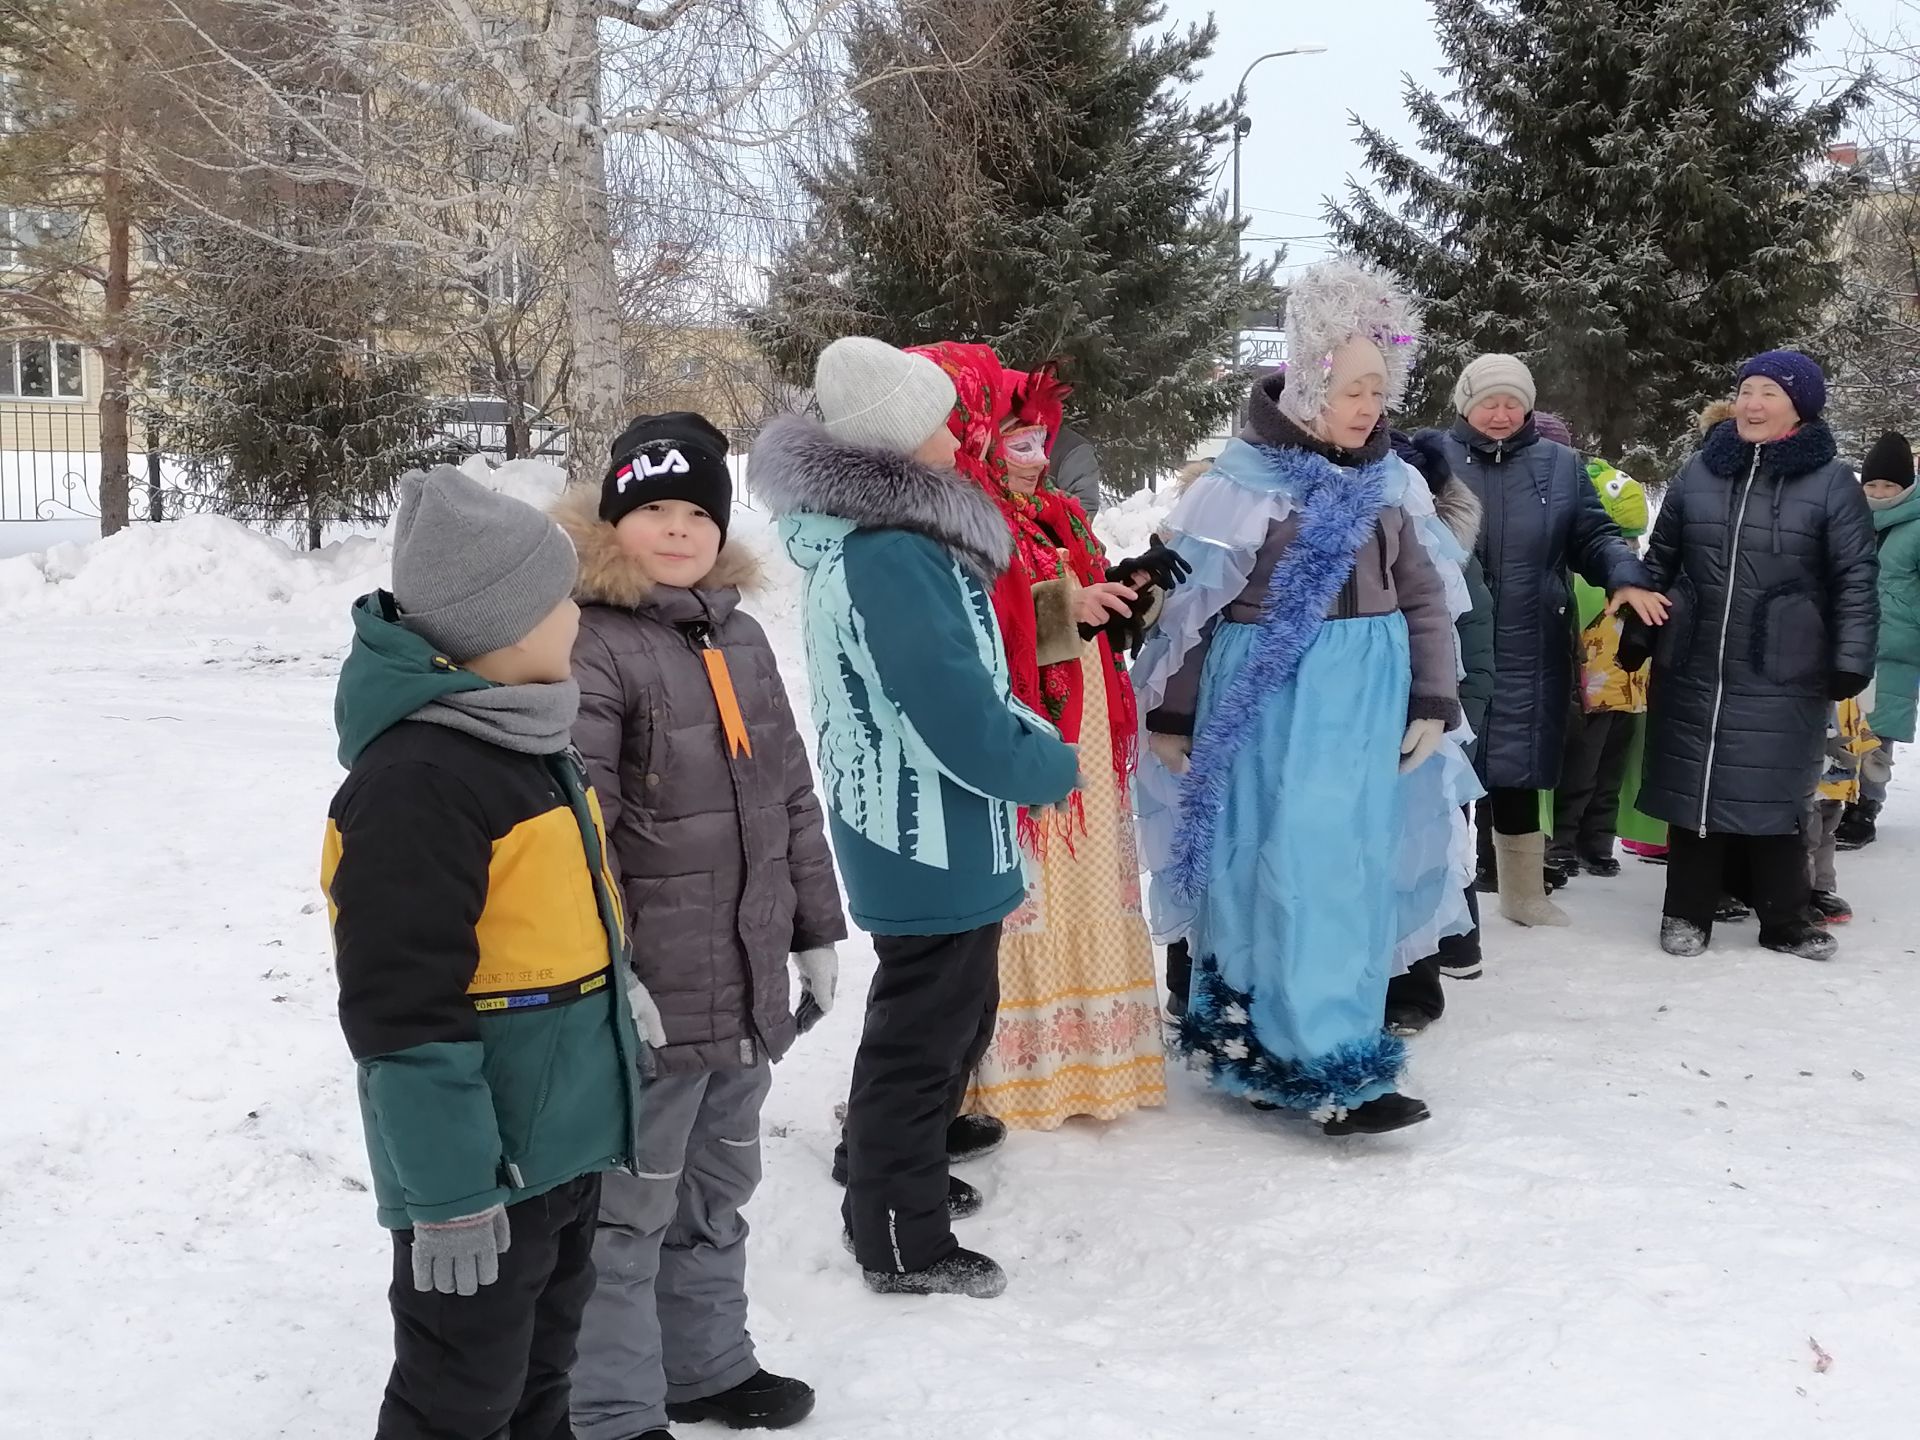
(1242, 125)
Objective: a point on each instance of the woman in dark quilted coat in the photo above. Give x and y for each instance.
(1543, 518)
(1765, 548)
(721, 856)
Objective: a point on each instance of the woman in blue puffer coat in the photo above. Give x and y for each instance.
(1543, 517)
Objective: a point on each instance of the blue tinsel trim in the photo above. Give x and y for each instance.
(1218, 1030)
(1338, 511)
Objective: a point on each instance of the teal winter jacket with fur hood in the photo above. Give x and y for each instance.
(925, 755)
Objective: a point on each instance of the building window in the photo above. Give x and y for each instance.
(22, 230)
(41, 370)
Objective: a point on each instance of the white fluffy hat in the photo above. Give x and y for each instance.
(1330, 304)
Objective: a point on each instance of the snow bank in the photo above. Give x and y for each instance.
(207, 565)
(1128, 527)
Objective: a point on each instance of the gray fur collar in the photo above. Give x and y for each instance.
(1460, 510)
(797, 465)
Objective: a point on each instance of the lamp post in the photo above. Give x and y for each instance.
(1242, 124)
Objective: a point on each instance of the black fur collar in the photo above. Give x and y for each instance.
(1267, 424)
(797, 465)
(1800, 453)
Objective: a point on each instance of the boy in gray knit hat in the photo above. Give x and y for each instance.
(481, 958)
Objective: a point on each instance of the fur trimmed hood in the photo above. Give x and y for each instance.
(1713, 415)
(1459, 510)
(609, 576)
(798, 466)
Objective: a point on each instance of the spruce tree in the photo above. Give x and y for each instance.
(1629, 195)
(1049, 195)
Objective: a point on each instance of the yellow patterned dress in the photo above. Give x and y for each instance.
(1079, 1030)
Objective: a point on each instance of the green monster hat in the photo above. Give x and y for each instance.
(1623, 496)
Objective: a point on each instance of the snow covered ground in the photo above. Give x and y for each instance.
(1649, 1188)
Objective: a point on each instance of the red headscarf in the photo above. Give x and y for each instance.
(1044, 525)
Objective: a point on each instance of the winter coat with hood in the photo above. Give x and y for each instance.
(1766, 553)
(476, 937)
(1391, 573)
(1897, 676)
(1542, 517)
(925, 754)
(722, 857)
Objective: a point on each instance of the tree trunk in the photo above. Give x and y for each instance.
(116, 354)
(592, 285)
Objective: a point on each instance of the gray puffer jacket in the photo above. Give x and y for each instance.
(1767, 553)
(722, 859)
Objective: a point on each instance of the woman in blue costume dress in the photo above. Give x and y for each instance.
(1303, 772)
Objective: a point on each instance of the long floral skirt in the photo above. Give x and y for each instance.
(1079, 1030)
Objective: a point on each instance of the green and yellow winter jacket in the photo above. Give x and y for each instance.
(478, 944)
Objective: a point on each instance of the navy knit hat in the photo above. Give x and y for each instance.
(1794, 373)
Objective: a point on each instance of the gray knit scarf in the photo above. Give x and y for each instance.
(531, 719)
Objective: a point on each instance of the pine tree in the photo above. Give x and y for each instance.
(1049, 195)
(1629, 195)
(266, 384)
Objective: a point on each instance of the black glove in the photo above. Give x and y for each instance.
(1636, 641)
(1844, 684)
(1162, 565)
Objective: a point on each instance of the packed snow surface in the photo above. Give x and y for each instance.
(1662, 1199)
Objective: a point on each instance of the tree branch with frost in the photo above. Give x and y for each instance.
(626, 12)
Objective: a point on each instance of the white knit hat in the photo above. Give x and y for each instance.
(875, 396)
(1492, 375)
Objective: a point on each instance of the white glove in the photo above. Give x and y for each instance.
(1421, 740)
(819, 974)
(1171, 751)
(646, 1014)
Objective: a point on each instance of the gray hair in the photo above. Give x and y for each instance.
(1334, 302)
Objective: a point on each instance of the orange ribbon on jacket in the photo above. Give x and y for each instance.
(731, 720)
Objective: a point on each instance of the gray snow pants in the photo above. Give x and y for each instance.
(668, 1318)
(1817, 829)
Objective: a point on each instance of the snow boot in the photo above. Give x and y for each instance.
(1559, 869)
(1461, 967)
(1390, 1112)
(760, 1402)
(1732, 910)
(1487, 881)
(1858, 827)
(1179, 978)
(1404, 1020)
(1830, 909)
(1683, 937)
(1605, 866)
(1523, 890)
(965, 1272)
(660, 1434)
(974, 1137)
(1799, 937)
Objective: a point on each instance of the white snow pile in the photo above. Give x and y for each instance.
(1127, 527)
(209, 566)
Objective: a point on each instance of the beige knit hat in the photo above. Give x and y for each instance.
(880, 398)
(1492, 375)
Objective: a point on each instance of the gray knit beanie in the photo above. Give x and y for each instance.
(474, 570)
(880, 398)
(1492, 375)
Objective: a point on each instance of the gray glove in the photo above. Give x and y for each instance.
(457, 1257)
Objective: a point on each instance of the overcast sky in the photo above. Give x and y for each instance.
(1302, 147)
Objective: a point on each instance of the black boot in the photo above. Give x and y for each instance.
(1179, 977)
(1406, 1020)
(761, 1402)
(1390, 1112)
(1799, 937)
(1830, 909)
(1683, 937)
(965, 1272)
(1732, 910)
(974, 1137)
(1859, 823)
(1605, 866)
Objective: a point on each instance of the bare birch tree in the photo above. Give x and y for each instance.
(683, 101)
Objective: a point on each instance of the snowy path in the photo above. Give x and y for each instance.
(1648, 1182)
